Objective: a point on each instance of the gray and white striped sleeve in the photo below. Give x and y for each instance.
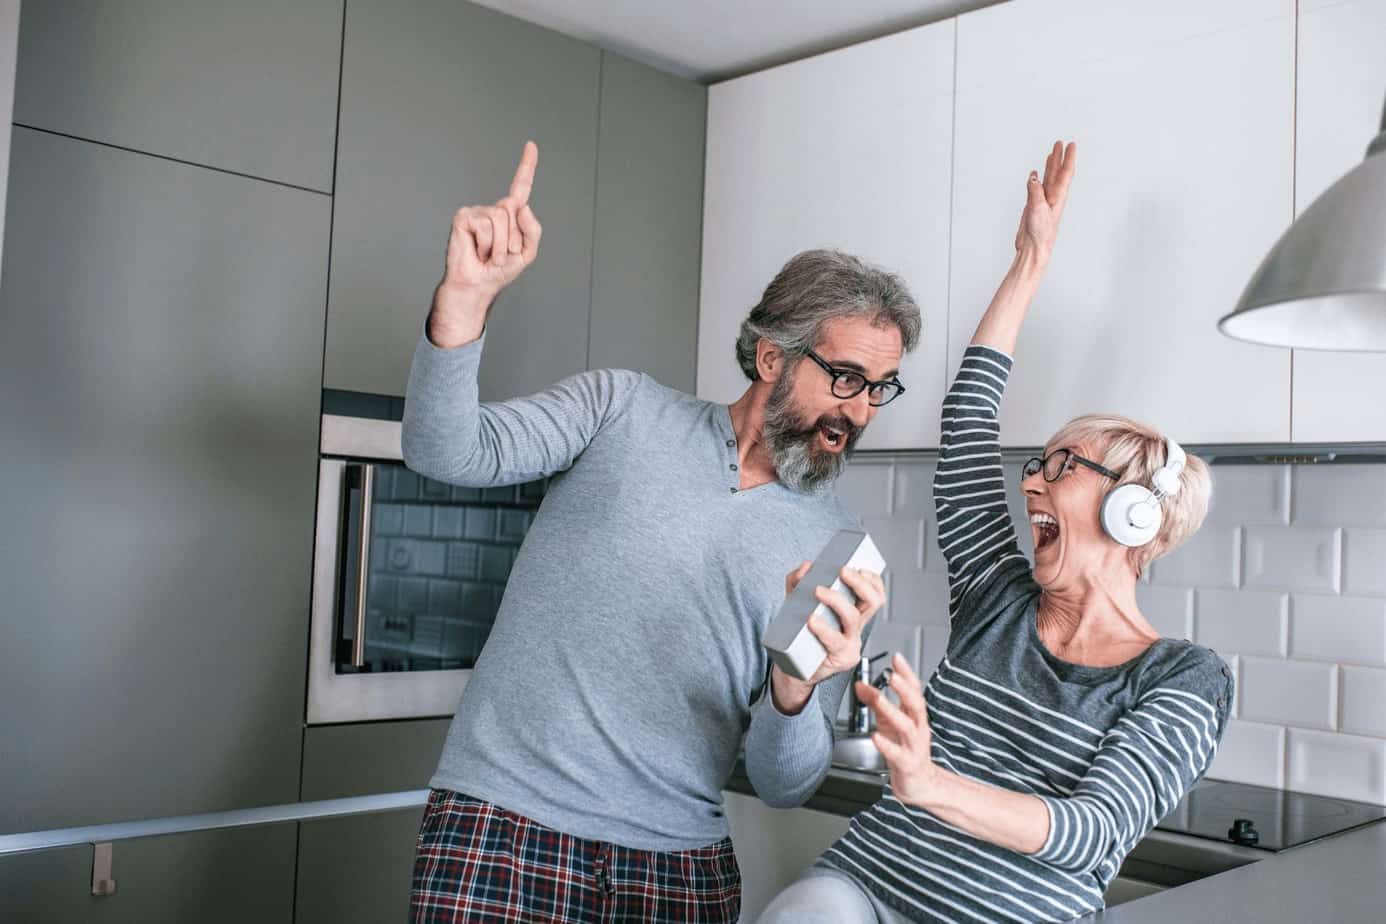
(1144, 766)
(975, 532)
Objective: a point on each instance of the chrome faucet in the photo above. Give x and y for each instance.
(860, 723)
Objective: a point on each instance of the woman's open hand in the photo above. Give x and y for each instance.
(902, 733)
(1045, 199)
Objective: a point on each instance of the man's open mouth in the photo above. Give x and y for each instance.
(1046, 529)
(834, 438)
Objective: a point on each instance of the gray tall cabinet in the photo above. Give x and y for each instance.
(438, 98)
(162, 304)
(197, 243)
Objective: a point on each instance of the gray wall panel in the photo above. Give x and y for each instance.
(359, 868)
(247, 86)
(160, 375)
(210, 877)
(437, 100)
(648, 238)
(359, 760)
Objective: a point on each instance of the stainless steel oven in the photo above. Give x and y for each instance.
(408, 574)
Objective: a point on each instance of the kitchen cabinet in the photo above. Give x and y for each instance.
(1183, 115)
(1341, 77)
(245, 87)
(359, 868)
(427, 127)
(851, 150)
(160, 384)
(211, 877)
(648, 223)
(438, 99)
(773, 846)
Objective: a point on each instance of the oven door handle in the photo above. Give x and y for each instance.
(366, 480)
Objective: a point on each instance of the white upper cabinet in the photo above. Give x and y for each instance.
(1183, 114)
(852, 150)
(1342, 82)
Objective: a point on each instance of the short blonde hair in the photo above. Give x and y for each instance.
(1135, 451)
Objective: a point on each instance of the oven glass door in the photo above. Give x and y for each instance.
(408, 575)
(437, 558)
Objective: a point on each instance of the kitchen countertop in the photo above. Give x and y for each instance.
(1339, 879)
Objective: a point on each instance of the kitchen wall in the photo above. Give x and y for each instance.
(1286, 580)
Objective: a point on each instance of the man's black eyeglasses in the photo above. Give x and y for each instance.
(1057, 462)
(848, 383)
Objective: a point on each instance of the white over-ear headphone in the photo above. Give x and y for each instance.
(1131, 514)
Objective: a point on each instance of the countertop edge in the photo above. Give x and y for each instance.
(1340, 878)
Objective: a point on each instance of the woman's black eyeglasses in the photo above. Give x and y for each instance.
(1057, 462)
(848, 383)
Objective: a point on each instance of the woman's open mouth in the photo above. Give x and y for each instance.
(1046, 529)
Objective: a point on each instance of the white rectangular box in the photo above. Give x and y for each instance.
(792, 646)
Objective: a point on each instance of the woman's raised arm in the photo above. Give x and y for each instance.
(1034, 242)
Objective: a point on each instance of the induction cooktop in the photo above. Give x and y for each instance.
(1269, 819)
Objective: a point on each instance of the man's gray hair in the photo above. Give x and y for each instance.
(815, 287)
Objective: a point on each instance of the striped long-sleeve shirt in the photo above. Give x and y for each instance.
(1109, 750)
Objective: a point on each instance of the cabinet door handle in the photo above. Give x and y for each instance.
(363, 561)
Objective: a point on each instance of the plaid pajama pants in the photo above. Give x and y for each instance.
(479, 862)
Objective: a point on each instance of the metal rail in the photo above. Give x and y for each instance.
(235, 818)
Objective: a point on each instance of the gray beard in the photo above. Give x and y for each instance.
(799, 464)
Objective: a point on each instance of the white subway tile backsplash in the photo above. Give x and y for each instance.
(1364, 701)
(1234, 664)
(1342, 766)
(932, 647)
(1015, 503)
(893, 636)
(1364, 561)
(1340, 495)
(1168, 609)
(918, 597)
(1250, 495)
(886, 637)
(1208, 559)
(1293, 558)
(1251, 753)
(900, 540)
(865, 488)
(1286, 581)
(1350, 630)
(1241, 621)
(1300, 693)
(914, 489)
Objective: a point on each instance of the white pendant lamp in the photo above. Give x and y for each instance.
(1323, 284)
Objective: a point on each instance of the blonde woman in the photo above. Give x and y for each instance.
(1060, 727)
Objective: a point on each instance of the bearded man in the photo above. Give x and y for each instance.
(582, 775)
